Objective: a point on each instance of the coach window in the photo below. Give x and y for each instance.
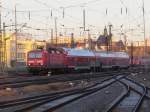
(57, 52)
(72, 61)
(53, 52)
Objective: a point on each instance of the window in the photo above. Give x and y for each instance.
(12, 55)
(39, 55)
(57, 52)
(53, 52)
(31, 55)
(20, 46)
(33, 46)
(20, 55)
(35, 55)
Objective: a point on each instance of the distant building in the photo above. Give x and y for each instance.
(67, 41)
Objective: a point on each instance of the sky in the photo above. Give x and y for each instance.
(41, 14)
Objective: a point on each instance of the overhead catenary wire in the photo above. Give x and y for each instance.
(39, 21)
(79, 5)
(76, 19)
(51, 9)
(82, 4)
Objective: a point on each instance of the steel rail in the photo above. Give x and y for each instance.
(139, 102)
(89, 91)
(20, 82)
(116, 102)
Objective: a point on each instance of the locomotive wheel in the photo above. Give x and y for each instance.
(33, 71)
(43, 72)
(66, 70)
(93, 69)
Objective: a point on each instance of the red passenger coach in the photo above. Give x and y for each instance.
(144, 61)
(78, 59)
(113, 59)
(140, 61)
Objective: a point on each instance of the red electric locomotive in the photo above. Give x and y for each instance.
(56, 59)
(42, 60)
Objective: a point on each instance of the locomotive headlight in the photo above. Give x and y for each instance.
(29, 64)
(41, 63)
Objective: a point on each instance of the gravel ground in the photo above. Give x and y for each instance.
(17, 93)
(142, 77)
(87, 104)
(13, 93)
(96, 102)
(145, 106)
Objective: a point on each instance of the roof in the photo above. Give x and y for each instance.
(84, 52)
(79, 52)
(37, 50)
(112, 54)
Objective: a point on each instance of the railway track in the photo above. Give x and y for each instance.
(53, 101)
(130, 99)
(15, 82)
(133, 99)
(56, 99)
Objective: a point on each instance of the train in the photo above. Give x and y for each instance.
(71, 59)
(141, 61)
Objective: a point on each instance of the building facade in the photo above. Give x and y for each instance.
(24, 44)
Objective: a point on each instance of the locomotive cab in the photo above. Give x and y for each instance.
(37, 60)
(46, 60)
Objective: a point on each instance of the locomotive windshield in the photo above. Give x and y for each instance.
(38, 55)
(35, 55)
(31, 55)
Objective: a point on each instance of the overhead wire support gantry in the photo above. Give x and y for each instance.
(145, 41)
